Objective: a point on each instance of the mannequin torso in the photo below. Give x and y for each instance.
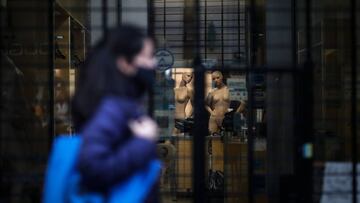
(220, 101)
(182, 97)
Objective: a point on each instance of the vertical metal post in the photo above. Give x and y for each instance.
(119, 12)
(305, 175)
(51, 35)
(2, 48)
(298, 98)
(250, 118)
(354, 140)
(294, 42)
(251, 134)
(200, 132)
(104, 14)
(150, 32)
(205, 30)
(164, 22)
(200, 129)
(253, 26)
(151, 18)
(222, 33)
(239, 27)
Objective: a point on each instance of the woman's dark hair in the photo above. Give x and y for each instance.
(99, 75)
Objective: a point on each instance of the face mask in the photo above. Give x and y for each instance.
(145, 78)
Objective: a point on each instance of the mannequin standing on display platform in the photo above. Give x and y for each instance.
(217, 103)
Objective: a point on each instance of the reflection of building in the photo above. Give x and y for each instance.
(27, 115)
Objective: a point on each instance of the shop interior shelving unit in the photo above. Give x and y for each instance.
(70, 50)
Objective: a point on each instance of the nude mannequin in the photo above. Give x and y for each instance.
(183, 95)
(217, 102)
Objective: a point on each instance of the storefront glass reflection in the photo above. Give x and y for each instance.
(25, 100)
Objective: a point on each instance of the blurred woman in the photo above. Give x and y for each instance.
(118, 137)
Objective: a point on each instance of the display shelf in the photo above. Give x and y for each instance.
(70, 52)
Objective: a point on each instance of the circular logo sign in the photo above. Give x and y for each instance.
(165, 59)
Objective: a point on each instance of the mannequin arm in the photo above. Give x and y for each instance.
(208, 103)
(241, 107)
(191, 100)
(209, 109)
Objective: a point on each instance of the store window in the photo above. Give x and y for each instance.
(333, 104)
(25, 85)
(223, 33)
(226, 142)
(278, 99)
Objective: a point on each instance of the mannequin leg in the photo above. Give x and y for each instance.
(213, 126)
(219, 122)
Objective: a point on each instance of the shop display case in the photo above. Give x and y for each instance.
(70, 51)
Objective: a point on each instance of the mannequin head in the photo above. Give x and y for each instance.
(186, 78)
(217, 78)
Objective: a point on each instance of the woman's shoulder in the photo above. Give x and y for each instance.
(113, 110)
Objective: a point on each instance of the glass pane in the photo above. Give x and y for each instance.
(24, 140)
(174, 114)
(332, 74)
(253, 140)
(223, 35)
(227, 142)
